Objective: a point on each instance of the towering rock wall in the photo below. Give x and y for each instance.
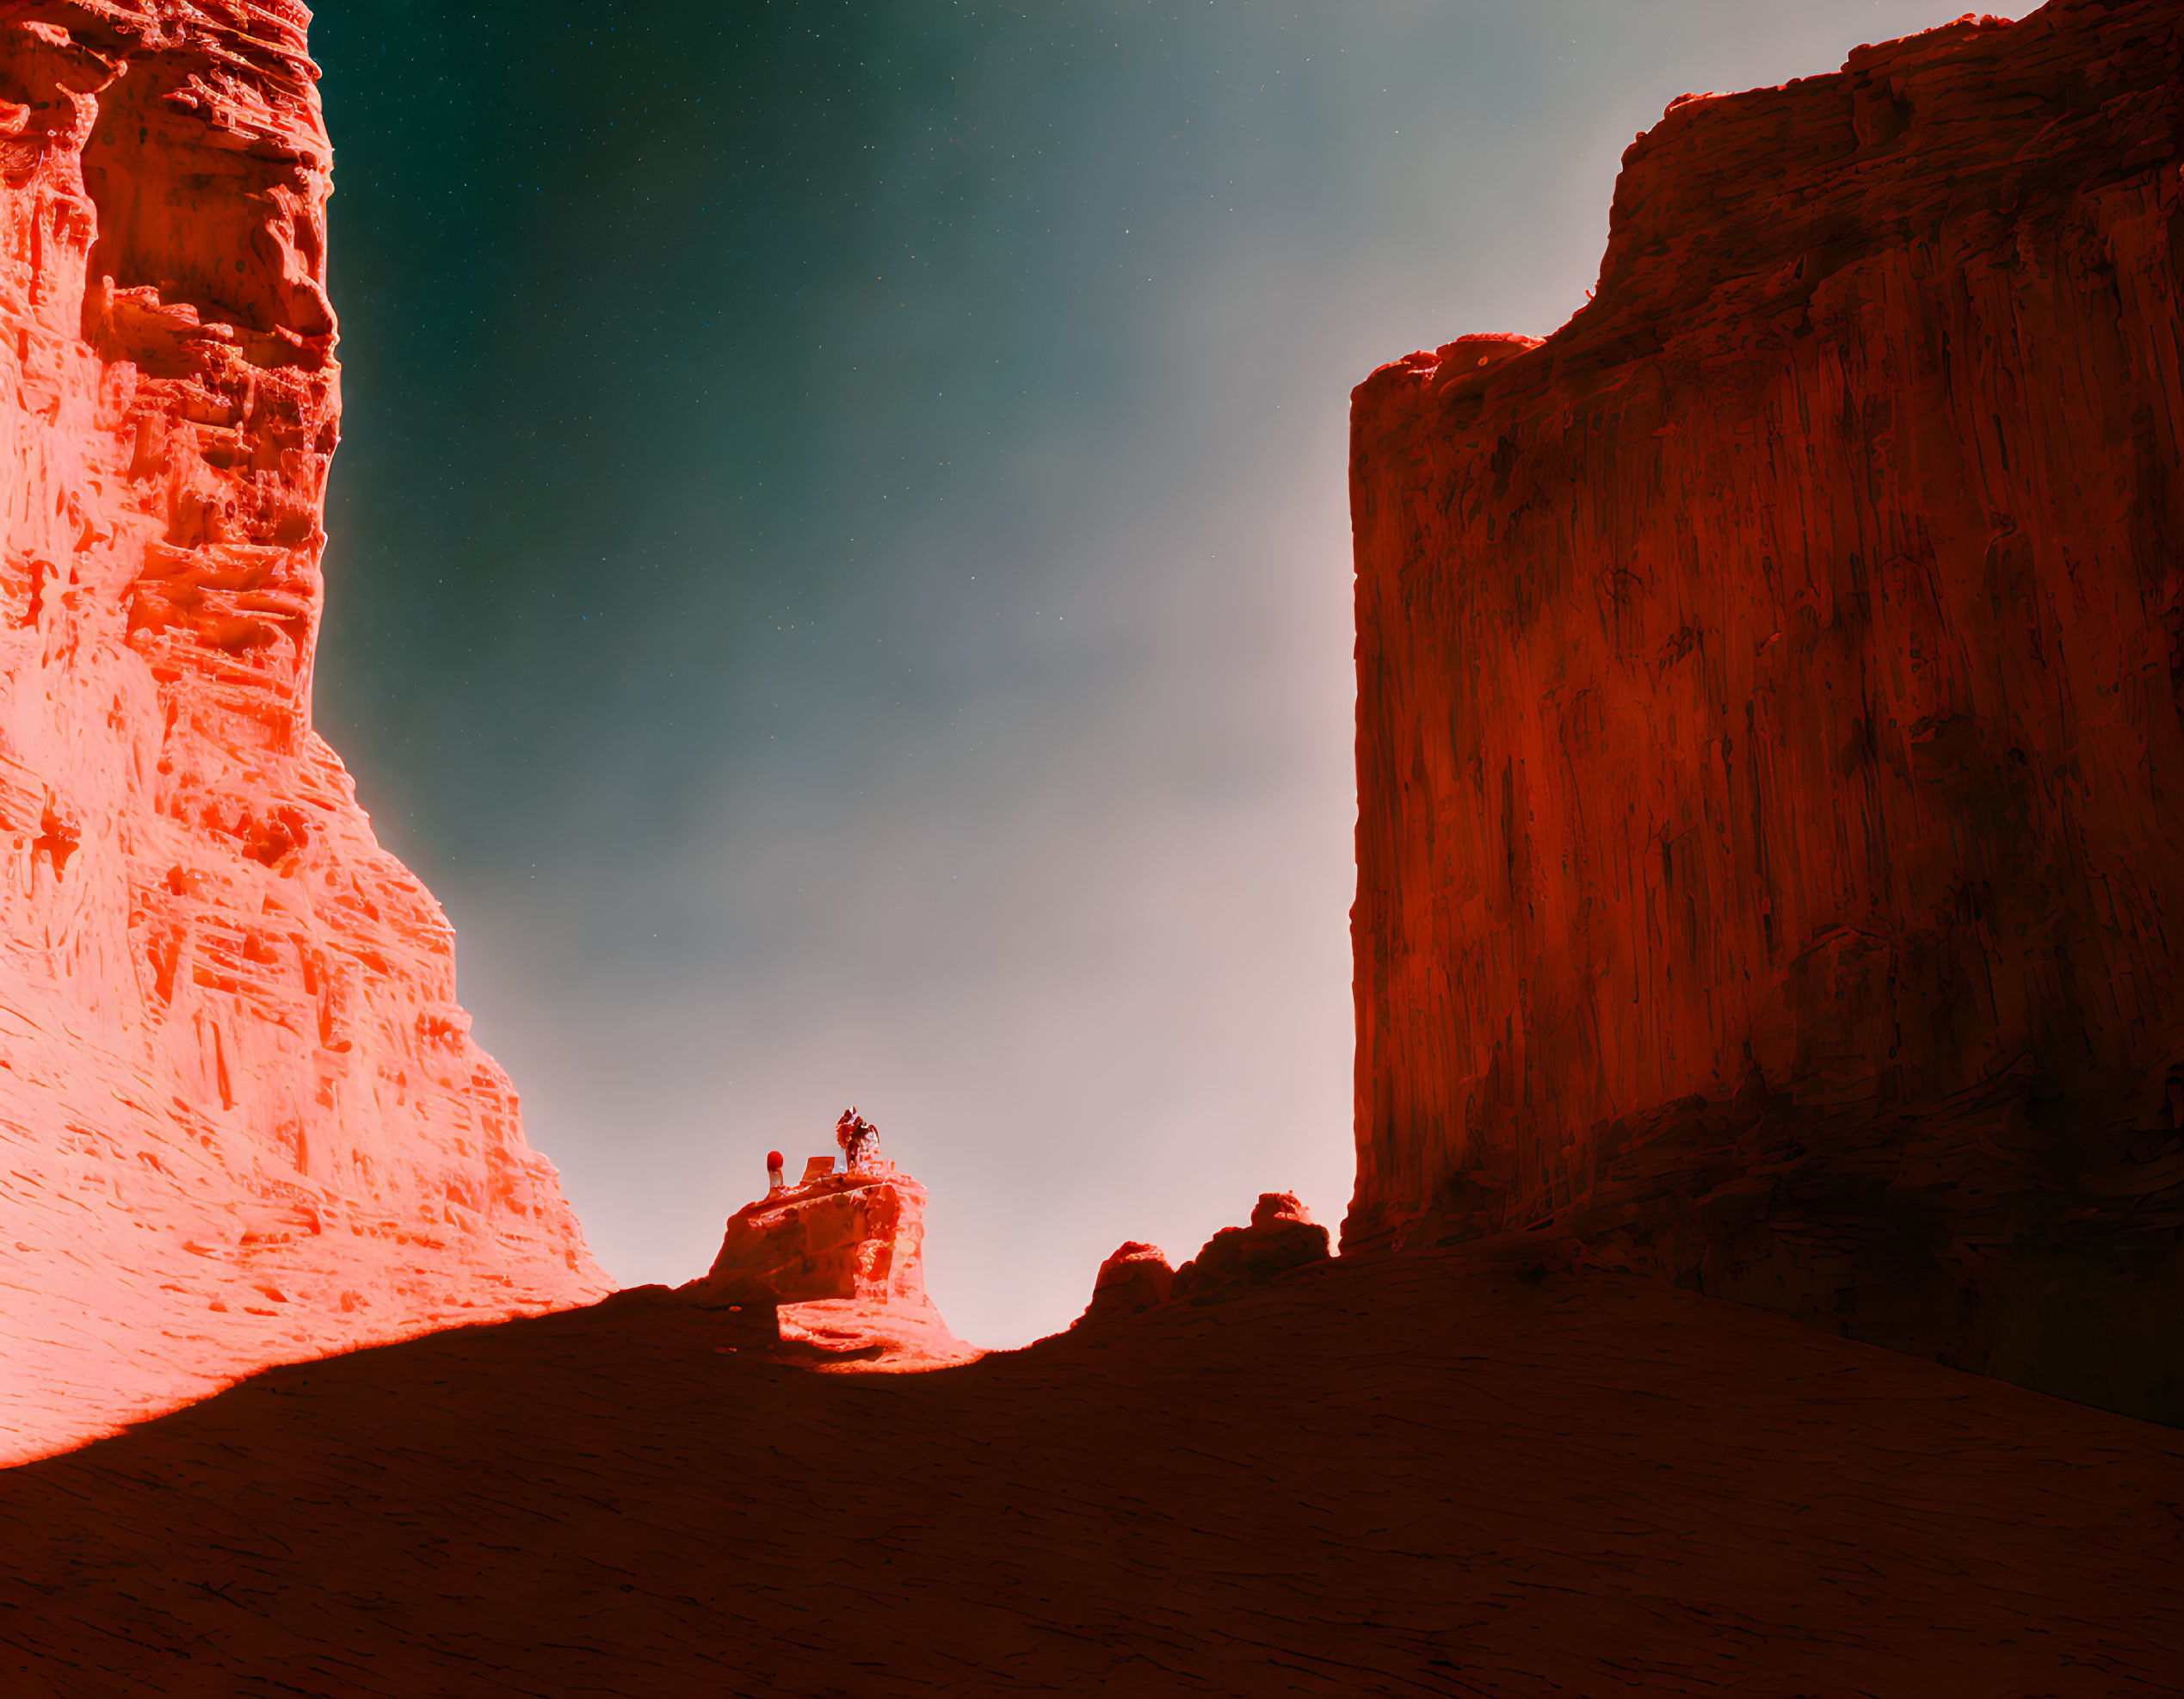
(1769, 754)
(241, 1116)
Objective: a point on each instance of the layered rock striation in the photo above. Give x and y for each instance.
(1768, 737)
(241, 1113)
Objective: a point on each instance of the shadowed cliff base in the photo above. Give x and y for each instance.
(1430, 1476)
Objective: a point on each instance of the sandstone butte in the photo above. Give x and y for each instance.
(1769, 758)
(242, 1119)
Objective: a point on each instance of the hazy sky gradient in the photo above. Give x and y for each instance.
(839, 576)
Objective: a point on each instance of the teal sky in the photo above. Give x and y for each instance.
(840, 577)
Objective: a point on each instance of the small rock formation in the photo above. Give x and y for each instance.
(841, 1254)
(242, 1119)
(1769, 745)
(860, 1235)
(1281, 1236)
(1137, 1278)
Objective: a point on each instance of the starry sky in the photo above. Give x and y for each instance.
(839, 576)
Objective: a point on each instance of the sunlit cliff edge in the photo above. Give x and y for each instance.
(242, 1119)
(1768, 742)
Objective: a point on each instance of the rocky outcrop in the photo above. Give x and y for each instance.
(1768, 731)
(1281, 1239)
(241, 1113)
(841, 1258)
(857, 1234)
(1135, 1279)
(1282, 1236)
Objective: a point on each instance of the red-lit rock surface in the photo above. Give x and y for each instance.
(241, 1116)
(843, 1258)
(1402, 1476)
(857, 1234)
(1135, 1279)
(1768, 739)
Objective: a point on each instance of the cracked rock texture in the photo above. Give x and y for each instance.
(1768, 739)
(242, 1119)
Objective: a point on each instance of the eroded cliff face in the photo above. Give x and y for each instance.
(1768, 737)
(241, 1115)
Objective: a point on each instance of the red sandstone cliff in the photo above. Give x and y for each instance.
(1768, 739)
(241, 1117)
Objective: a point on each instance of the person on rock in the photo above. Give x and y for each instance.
(856, 1136)
(774, 1180)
